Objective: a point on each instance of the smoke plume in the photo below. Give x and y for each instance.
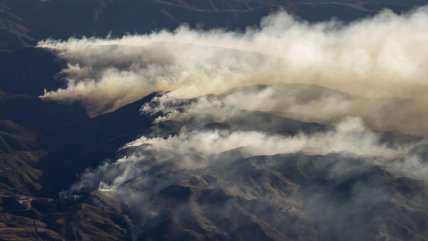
(314, 115)
(375, 58)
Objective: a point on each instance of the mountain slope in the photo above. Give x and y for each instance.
(67, 176)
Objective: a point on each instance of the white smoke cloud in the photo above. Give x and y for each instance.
(317, 104)
(380, 56)
(309, 103)
(198, 149)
